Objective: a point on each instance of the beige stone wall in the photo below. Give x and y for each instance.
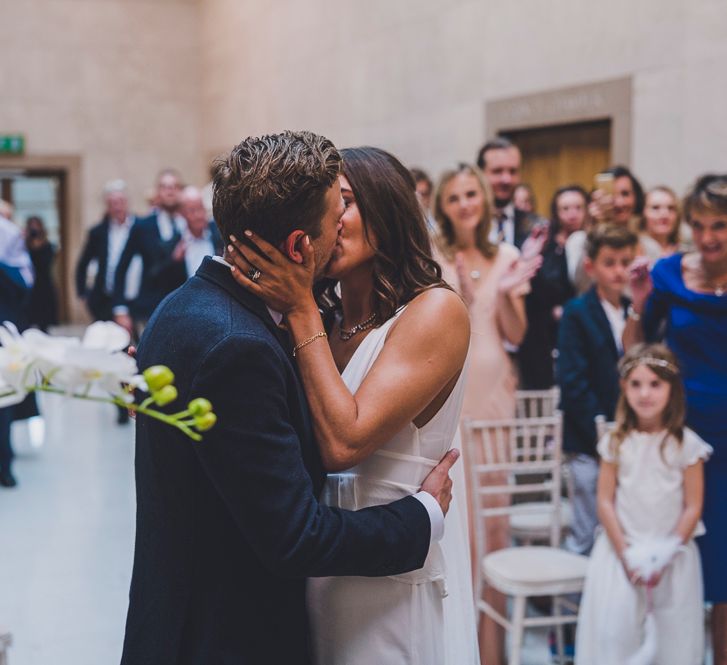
(125, 87)
(414, 76)
(112, 82)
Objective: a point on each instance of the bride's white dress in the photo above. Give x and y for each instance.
(425, 617)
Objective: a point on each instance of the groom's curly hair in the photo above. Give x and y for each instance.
(274, 184)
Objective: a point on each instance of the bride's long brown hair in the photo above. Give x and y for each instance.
(386, 198)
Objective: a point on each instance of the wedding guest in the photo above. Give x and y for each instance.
(492, 282)
(500, 161)
(662, 233)
(650, 491)
(151, 238)
(523, 198)
(16, 279)
(43, 306)
(589, 346)
(424, 187)
(550, 290)
(622, 207)
(199, 239)
(685, 299)
(104, 245)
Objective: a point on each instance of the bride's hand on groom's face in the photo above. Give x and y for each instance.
(283, 283)
(438, 483)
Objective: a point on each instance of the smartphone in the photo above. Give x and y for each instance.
(604, 182)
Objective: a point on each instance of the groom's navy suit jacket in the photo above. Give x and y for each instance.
(229, 528)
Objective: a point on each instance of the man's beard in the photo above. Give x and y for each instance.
(502, 203)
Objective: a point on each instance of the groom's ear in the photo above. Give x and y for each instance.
(291, 246)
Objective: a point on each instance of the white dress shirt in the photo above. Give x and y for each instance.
(13, 252)
(506, 220)
(617, 320)
(118, 235)
(196, 249)
(431, 505)
(168, 222)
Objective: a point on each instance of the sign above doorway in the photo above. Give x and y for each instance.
(12, 144)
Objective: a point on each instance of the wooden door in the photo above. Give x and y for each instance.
(562, 155)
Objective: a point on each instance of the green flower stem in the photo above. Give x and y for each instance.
(147, 402)
(139, 408)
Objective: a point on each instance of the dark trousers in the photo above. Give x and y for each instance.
(6, 449)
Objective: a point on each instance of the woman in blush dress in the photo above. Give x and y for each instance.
(385, 395)
(685, 301)
(493, 281)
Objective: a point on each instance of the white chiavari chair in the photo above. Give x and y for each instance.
(503, 457)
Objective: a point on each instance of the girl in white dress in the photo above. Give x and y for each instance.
(385, 396)
(650, 489)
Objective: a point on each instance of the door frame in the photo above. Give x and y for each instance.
(605, 100)
(68, 169)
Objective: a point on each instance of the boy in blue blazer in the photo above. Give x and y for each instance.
(589, 346)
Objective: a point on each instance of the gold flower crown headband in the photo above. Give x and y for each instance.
(649, 361)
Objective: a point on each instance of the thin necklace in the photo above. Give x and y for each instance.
(717, 287)
(345, 335)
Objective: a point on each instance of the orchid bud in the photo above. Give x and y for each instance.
(157, 377)
(166, 395)
(199, 407)
(205, 422)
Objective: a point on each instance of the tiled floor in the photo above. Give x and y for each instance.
(67, 539)
(67, 542)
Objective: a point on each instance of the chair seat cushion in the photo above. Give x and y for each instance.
(534, 571)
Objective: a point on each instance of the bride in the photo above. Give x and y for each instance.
(385, 395)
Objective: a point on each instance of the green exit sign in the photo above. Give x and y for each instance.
(12, 144)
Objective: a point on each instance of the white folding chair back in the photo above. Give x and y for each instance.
(537, 403)
(603, 426)
(523, 456)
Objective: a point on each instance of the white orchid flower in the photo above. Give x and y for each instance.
(106, 335)
(16, 365)
(83, 367)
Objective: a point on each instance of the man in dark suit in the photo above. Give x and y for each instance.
(500, 161)
(104, 245)
(589, 346)
(200, 238)
(228, 529)
(151, 238)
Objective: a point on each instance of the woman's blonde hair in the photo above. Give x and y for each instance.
(445, 238)
(660, 360)
(674, 237)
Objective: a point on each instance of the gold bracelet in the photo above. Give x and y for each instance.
(306, 342)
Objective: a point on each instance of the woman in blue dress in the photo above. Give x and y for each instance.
(684, 301)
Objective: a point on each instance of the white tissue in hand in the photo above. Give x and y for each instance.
(651, 555)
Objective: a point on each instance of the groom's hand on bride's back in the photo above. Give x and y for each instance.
(438, 483)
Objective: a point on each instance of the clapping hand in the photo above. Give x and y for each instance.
(520, 272)
(640, 282)
(534, 243)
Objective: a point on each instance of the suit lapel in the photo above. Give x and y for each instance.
(103, 250)
(600, 319)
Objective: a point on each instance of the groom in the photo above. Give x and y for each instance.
(228, 529)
